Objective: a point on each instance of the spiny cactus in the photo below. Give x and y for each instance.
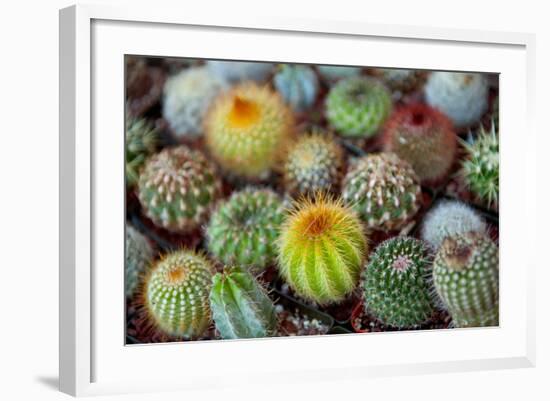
(332, 73)
(401, 80)
(177, 188)
(466, 278)
(314, 162)
(321, 249)
(141, 142)
(383, 189)
(240, 306)
(247, 128)
(177, 294)
(480, 168)
(298, 85)
(425, 138)
(397, 285)
(357, 107)
(461, 96)
(235, 71)
(187, 96)
(244, 228)
(139, 254)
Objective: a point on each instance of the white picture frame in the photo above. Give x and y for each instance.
(93, 358)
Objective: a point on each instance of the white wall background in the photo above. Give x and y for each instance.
(29, 200)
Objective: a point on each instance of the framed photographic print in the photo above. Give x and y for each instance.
(317, 200)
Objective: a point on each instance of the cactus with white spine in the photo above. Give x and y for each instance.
(141, 142)
(139, 254)
(236, 71)
(298, 85)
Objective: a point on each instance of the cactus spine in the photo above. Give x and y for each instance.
(141, 142)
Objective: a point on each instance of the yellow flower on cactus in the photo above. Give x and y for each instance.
(247, 128)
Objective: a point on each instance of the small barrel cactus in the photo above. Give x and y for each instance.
(139, 254)
(141, 142)
(244, 228)
(450, 218)
(247, 128)
(480, 168)
(401, 80)
(466, 274)
(177, 294)
(383, 189)
(235, 71)
(240, 306)
(177, 188)
(331, 73)
(357, 107)
(313, 163)
(461, 96)
(187, 96)
(424, 137)
(298, 85)
(321, 249)
(397, 285)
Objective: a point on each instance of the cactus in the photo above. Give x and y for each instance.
(314, 162)
(461, 96)
(241, 308)
(321, 249)
(400, 80)
(141, 142)
(425, 138)
(246, 130)
(298, 85)
(139, 254)
(384, 191)
(177, 188)
(450, 218)
(235, 71)
(177, 294)
(331, 73)
(243, 229)
(466, 274)
(187, 96)
(480, 169)
(397, 285)
(357, 107)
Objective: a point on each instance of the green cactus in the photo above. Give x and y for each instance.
(177, 294)
(139, 254)
(384, 190)
(240, 306)
(244, 228)
(321, 249)
(466, 277)
(357, 107)
(141, 142)
(177, 188)
(397, 286)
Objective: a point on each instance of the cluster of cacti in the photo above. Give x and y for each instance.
(400, 80)
(321, 249)
(466, 276)
(424, 137)
(138, 257)
(141, 141)
(240, 306)
(357, 107)
(463, 97)
(236, 71)
(247, 128)
(187, 95)
(397, 285)
(480, 168)
(244, 228)
(177, 188)
(331, 73)
(314, 162)
(177, 294)
(298, 85)
(450, 218)
(383, 189)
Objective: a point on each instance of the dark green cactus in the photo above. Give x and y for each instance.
(141, 142)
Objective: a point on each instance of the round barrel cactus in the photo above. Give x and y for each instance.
(466, 276)
(141, 142)
(383, 189)
(177, 188)
(298, 85)
(332, 73)
(177, 294)
(244, 228)
(240, 306)
(357, 107)
(139, 254)
(247, 128)
(321, 250)
(397, 286)
(235, 71)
